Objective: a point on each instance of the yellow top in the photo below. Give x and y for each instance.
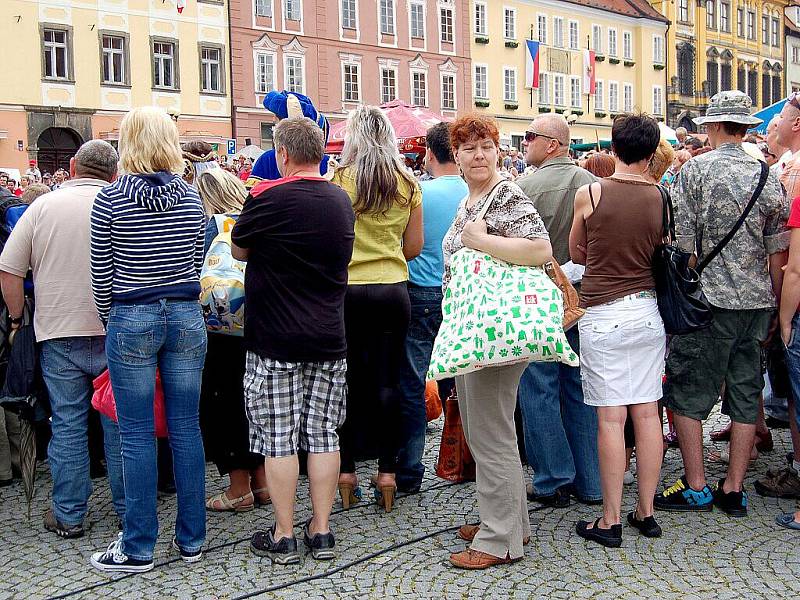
(378, 249)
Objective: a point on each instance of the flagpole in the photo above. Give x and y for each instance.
(526, 62)
(589, 91)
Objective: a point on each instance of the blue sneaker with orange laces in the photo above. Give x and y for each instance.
(682, 498)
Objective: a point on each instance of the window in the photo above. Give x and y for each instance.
(627, 45)
(686, 70)
(419, 88)
(558, 90)
(114, 67)
(481, 81)
(56, 53)
(740, 22)
(627, 97)
(613, 96)
(417, 20)
(751, 25)
(388, 84)
(711, 15)
(658, 49)
(599, 100)
(712, 76)
(267, 137)
(765, 30)
(575, 92)
(509, 85)
(658, 100)
(795, 54)
(725, 16)
(211, 70)
(387, 17)
(777, 87)
(741, 79)
(752, 86)
(265, 72)
(446, 24)
(775, 41)
(612, 42)
(725, 76)
(541, 22)
(294, 74)
(558, 32)
(448, 92)
(509, 23)
(683, 11)
(573, 35)
(480, 19)
(349, 20)
(293, 10)
(597, 39)
(544, 88)
(264, 8)
(164, 65)
(352, 89)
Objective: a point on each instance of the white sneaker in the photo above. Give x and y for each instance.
(114, 560)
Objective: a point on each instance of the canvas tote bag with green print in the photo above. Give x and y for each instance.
(495, 314)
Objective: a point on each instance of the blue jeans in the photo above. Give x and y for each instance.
(560, 430)
(426, 317)
(793, 365)
(68, 367)
(170, 335)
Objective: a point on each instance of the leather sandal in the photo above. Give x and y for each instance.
(476, 560)
(221, 503)
(468, 533)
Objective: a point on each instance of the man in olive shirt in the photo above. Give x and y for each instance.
(560, 430)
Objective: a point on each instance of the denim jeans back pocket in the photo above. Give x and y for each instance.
(54, 355)
(137, 348)
(192, 339)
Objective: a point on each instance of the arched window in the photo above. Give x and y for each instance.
(686, 70)
(766, 84)
(777, 83)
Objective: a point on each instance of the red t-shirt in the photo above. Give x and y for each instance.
(794, 214)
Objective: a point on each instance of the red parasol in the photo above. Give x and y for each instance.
(410, 126)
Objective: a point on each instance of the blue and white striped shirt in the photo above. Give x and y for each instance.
(147, 241)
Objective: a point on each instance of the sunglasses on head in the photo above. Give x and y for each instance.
(532, 135)
(793, 100)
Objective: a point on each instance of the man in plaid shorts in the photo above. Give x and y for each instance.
(296, 234)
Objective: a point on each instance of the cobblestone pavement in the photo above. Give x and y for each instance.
(404, 554)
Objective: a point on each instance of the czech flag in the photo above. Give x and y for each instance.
(588, 71)
(531, 64)
(181, 5)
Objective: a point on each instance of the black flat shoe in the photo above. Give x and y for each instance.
(647, 526)
(610, 538)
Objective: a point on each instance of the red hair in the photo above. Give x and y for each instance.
(600, 165)
(471, 127)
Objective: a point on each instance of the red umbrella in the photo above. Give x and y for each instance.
(410, 126)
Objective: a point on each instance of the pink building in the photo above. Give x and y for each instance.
(342, 53)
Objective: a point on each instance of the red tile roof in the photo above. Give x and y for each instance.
(639, 9)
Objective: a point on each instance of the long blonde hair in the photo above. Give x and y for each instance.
(371, 154)
(221, 192)
(148, 142)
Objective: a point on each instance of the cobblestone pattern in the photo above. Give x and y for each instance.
(703, 556)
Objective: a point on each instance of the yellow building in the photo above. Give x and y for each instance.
(71, 71)
(627, 36)
(722, 44)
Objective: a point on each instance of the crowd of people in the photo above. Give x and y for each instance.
(345, 276)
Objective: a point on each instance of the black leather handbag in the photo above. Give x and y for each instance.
(681, 302)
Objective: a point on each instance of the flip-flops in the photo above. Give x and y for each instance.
(787, 520)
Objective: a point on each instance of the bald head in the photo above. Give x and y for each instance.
(553, 125)
(96, 159)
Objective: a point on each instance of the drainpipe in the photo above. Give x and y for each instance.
(230, 70)
(666, 72)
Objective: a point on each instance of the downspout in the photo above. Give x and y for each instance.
(230, 71)
(666, 72)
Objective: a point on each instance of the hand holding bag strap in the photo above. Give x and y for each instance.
(724, 242)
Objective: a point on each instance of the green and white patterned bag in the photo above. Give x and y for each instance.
(495, 313)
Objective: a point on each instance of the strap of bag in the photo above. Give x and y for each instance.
(668, 218)
(492, 193)
(718, 248)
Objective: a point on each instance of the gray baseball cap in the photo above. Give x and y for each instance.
(730, 106)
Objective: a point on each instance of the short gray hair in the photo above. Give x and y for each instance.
(97, 159)
(302, 138)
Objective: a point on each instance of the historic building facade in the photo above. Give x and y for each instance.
(626, 36)
(722, 44)
(343, 53)
(792, 47)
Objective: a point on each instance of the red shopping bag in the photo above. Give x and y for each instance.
(455, 460)
(103, 401)
(433, 403)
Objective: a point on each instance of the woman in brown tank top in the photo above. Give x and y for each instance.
(615, 231)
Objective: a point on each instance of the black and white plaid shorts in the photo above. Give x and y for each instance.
(293, 405)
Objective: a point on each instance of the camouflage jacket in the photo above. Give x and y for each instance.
(709, 195)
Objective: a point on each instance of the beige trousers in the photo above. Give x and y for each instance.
(486, 400)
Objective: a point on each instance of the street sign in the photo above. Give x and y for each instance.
(231, 146)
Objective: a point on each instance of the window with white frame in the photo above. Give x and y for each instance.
(627, 45)
(613, 96)
(264, 8)
(349, 18)
(446, 24)
(658, 49)
(612, 42)
(683, 11)
(164, 65)
(711, 14)
(558, 32)
(775, 26)
(796, 54)
(544, 88)
(293, 10)
(599, 98)
(265, 72)
(509, 84)
(210, 69)
(597, 39)
(295, 76)
(417, 17)
(740, 22)
(574, 35)
(114, 49)
(658, 100)
(352, 84)
(387, 17)
(480, 19)
(541, 28)
(751, 24)
(448, 91)
(56, 53)
(575, 92)
(558, 90)
(509, 23)
(627, 97)
(388, 84)
(481, 81)
(765, 30)
(725, 16)
(419, 88)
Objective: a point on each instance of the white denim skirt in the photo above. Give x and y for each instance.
(622, 352)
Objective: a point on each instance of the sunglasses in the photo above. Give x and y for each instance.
(532, 135)
(794, 101)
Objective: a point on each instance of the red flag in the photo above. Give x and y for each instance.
(181, 6)
(588, 71)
